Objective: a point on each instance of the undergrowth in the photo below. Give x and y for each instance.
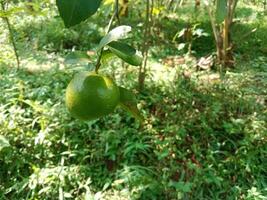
(199, 140)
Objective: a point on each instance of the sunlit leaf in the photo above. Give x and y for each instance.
(126, 53)
(11, 11)
(129, 103)
(75, 11)
(179, 34)
(3, 142)
(181, 46)
(117, 33)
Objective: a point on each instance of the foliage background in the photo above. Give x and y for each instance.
(203, 139)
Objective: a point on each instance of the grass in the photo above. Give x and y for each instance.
(201, 140)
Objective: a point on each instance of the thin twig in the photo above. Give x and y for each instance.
(117, 11)
(98, 62)
(11, 36)
(142, 68)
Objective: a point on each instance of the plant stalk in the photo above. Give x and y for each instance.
(215, 32)
(117, 11)
(142, 68)
(98, 62)
(11, 36)
(233, 7)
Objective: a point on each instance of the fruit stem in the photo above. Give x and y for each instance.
(98, 62)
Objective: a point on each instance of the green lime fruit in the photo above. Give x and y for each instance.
(90, 96)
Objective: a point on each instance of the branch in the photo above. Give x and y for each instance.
(98, 62)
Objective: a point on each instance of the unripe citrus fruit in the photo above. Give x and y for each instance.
(90, 96)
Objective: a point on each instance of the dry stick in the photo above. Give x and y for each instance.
(225, 41)
(98, 62)
(11, 36)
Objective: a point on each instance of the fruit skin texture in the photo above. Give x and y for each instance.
(90, 96)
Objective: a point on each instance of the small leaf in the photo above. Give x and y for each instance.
(182, 32)
(126, 53)
(181, 46)
(117, 33)
(77, 57)
(3, 142)
(221, 10)
(75, 11)
(128, 102)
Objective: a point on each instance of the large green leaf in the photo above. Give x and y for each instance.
(3, 142)
(221, 10)
(117, 33)
(77, 57)
(79, 61)
(126, 53)
(75, 11)
(129, 103)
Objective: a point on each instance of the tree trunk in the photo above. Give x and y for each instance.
(221, 34)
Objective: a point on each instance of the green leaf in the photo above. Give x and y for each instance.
(117, 33)
(75, 11)
(77, 57)
(221, 10)
(11, 11)
(182, 186)
(3, 142)
(128, 102)
(126, 53)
